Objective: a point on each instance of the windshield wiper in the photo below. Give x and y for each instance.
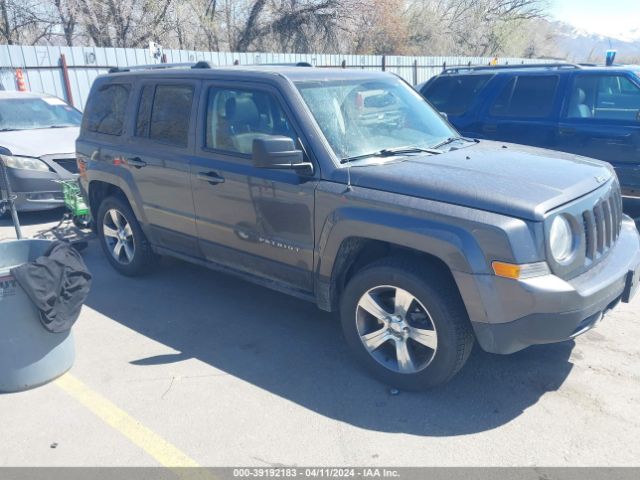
(451, 140)
(390, 152)
(9, 129)
(59, 126)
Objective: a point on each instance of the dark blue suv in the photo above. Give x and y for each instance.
(591, 111)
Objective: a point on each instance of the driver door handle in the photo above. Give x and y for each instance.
(212, 177)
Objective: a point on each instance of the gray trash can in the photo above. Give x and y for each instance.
(30, 355)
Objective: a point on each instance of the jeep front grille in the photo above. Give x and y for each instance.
(602, 224)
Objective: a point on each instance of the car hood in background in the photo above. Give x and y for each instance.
(510, 179)
(41, 141)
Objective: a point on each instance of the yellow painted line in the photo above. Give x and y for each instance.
(162, 451)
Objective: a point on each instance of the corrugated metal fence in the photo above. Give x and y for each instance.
(43, 72)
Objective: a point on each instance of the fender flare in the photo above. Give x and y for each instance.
(453, 245)
(123, 181)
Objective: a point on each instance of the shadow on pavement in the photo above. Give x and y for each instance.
(290, 348)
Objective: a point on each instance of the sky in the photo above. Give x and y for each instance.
(615, 18)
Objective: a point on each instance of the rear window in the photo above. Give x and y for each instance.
(526, 96)
(106, 109)
(454, 95)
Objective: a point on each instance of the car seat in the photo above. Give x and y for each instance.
(243, 122)
(578, 108)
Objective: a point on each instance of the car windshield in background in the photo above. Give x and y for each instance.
(32, 113)
(362, 117)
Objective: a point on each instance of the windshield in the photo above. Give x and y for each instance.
(31, 113)
(362, 117)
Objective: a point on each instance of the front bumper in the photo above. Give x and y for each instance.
(548, 309)
(38, 201)
(35, 190)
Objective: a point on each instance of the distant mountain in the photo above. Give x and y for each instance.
(580, 46)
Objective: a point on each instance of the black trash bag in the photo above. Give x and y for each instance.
(57, 283)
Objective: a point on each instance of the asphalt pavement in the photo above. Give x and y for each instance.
(189, 366)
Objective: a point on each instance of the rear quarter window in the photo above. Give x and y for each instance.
(106, 109)
(455, 94)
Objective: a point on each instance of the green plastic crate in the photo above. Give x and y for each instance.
(73, 198)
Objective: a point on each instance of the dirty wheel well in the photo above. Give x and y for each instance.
(100, 190)
(356, 253)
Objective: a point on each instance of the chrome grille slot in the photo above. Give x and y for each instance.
(597, 212)
(602, 224)
(590, 233)
(614, 218)
(608, 224)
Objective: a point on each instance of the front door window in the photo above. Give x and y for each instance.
(606, 97)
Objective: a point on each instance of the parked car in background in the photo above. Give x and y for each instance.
(590, 111)
(345, 188)
(40, 132)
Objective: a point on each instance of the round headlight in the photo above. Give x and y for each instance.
(561, 239)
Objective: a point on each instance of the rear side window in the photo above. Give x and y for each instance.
(526, 96)
(170, 114)
(106, 109)
(454, 95)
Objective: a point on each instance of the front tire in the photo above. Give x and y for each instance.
(406, 323)
(122, 239)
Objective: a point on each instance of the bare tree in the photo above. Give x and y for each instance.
(21, 22)
(123, 23)
(65, 17)
(418, 27)
(471, 27)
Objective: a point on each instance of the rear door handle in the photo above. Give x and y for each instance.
(136, 162)
(212, 177)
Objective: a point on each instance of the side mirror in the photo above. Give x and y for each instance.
(278, 152)
(444, 115)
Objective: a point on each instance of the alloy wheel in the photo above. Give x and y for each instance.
(396, 329)
(118, 236)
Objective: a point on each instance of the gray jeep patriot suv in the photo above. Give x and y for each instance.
(346, 188)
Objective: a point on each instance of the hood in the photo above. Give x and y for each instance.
(41, 141)
(514, 180)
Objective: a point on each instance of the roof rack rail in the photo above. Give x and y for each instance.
(276, 64)
(473, 68)
(202, 64)
(292, 64)
(198, 65)
(153, 66)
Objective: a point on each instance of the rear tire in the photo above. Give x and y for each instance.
(122, 239)
(418, 336)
